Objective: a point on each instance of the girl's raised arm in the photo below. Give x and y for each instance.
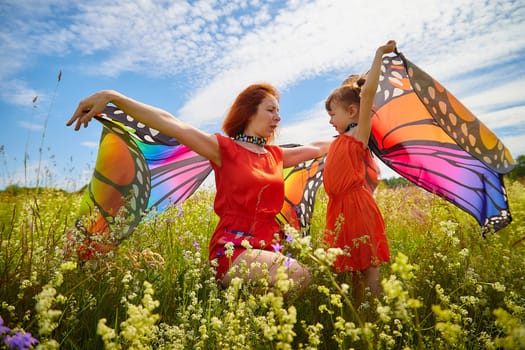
(368, 92)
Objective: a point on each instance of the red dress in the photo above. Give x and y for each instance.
(250, 193)
(353, 220)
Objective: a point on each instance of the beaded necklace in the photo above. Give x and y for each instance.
(260, 141)
(351, 126)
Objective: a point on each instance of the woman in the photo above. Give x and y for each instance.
(248, 176)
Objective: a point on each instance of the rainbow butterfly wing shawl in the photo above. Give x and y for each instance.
(138, 170)
(426, 135)
(115, 199)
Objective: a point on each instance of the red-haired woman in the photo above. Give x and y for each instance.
(248, 176)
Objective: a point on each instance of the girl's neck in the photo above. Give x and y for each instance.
(350, 126)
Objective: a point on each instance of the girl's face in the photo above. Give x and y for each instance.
(264, 122)
(341, 116)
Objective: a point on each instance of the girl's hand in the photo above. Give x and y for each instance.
(88, 108)
(390, 46)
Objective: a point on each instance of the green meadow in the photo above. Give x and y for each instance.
(447, 286)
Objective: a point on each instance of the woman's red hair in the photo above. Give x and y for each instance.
(245, 106)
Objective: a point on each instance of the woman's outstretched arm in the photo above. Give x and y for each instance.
(201, 142)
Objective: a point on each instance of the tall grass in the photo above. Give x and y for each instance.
(447, 287)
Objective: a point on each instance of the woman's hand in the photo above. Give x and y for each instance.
(90, 107)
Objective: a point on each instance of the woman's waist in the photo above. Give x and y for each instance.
(236, 230)
(262, 215)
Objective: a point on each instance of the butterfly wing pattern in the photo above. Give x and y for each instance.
(138, 170)
(301, 185)
(176, 171)
(372, 172)
(426, 135)
(113, 202)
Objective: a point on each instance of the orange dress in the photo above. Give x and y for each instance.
(353, 220)
(250, 193)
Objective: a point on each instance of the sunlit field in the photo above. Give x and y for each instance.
(447, 287)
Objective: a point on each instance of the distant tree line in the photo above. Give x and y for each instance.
(519, 170)
(394, 182)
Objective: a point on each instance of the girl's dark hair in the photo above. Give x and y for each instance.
(349, 92)
(245, 106)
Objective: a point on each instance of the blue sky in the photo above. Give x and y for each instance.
(193, 57)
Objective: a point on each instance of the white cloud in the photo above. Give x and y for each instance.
(89, 144)
(221, 48)
(309, 126)
(516, 145)
(327, 36)
(18, 93)
(492, 97)
(30, 126)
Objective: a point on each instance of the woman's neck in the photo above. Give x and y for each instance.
(256, 140)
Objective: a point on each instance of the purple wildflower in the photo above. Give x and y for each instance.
(288, 237)
(180, 211)
(288, 261)
(4, 329)
(197, 246)
(277, 247)
(20, 340)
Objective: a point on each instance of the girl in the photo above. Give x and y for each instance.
(353, 220)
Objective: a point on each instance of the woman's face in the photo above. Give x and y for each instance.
(266, 120)
(341, 116)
